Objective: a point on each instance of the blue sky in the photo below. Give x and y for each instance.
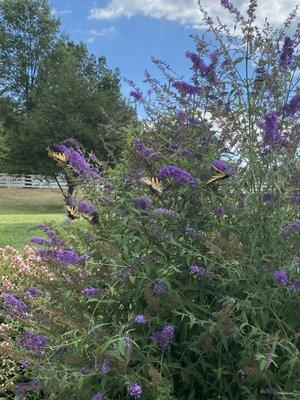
(128, 32)
(127, 43)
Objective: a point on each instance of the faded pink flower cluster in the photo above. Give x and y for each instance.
(19, 265)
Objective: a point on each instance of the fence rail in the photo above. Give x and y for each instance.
(30, 181)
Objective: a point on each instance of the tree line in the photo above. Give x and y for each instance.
(52, 89)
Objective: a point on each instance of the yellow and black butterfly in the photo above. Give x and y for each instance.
(218, 176)
(72, 212)
(154, 184)
(61, 158)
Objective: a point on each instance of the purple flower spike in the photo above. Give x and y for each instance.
(142, 150)
(280, 277)
(137, 95)
(40, 241)
(295, 286)
(164, 336)
(12, 302)
(135, 390)
(140, 319)
(91, 292)
(291, 227)
(186, 88)
(97, 396)
(85, 207)
(142, 202)
(159, 287)
(105, 367)
(220, 165)
(177, 174)
(198, 63)
(181, 116)
(287, 53)
(34, 342)
(63, 257)
(197, 271)
(272, 136)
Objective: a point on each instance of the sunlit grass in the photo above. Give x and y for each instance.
(22, 209)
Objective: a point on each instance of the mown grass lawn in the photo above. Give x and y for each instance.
(22, 209)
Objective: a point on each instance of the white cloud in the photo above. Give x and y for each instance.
(57, 13)
(104, 32)
(187, 11)
(110, 31)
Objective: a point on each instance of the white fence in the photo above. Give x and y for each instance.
(30, 181)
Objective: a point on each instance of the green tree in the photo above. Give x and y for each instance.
(51, 89)
(27, 35)
(75, 95)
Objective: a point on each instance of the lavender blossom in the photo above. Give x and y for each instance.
(280, 277)
(91, 292)
(77, 161)
(220, 165)
(34, 342)
(272, 137)
(164, 212)
(198, 63)
(186, 88)
(23, 387)
(295, 286)
(287, 53)
(135, 390)
(97, 396)
(194, 121)
(197, 270)
(181, 116)
(51, 233)
(159, 287)
(137, 95)
(85, 207)
(18, 305)
(63, 257)
(164, 336)
(105, 367)
(290, 227)
(229, 6)
(142, 202)
(140, 319)
(142, 150)
(40, 241)
(177, 174)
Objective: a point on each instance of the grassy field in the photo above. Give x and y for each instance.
(22, 209)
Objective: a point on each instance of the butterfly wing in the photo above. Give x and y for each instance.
(57, 156)
(218, 176)
(72, 212)
(157, 186)
(154, 184)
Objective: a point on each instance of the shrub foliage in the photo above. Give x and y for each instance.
(176, 289)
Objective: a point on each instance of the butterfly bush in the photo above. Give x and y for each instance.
(192, 293)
